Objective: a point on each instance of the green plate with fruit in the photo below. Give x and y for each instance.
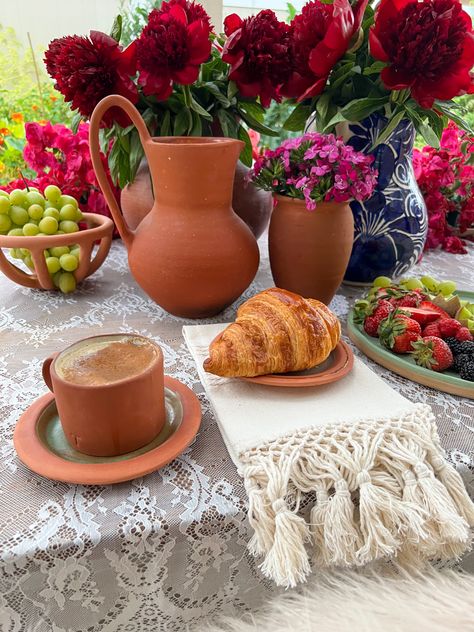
(459, 305)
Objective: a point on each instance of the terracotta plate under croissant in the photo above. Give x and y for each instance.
(339, 364)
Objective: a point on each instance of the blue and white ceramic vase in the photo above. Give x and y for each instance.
(390, 228)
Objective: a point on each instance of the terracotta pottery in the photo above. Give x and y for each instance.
(99, 229)
(40, 443)
(337, 366)
(113, 418)
(191, 254)
(310, 250)
(252, 205)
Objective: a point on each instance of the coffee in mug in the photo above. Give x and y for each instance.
(109, 393)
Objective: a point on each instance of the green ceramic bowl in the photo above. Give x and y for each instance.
(448, 381)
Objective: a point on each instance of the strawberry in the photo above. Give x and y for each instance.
(432, 353)
(412, 299)
(433, 308)
(398, 331)
(421, 316)
(432, 329)
(371, 324)
(448, 327)
(463, 333)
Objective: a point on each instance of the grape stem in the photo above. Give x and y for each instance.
(24, 180)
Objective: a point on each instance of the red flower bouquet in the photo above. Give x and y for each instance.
(446, 179)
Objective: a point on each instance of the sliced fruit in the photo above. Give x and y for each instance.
(429, 305)
(450, 305)
(422, 316)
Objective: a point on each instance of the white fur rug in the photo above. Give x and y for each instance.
(349, 602)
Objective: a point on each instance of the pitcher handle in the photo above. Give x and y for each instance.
(113, 100)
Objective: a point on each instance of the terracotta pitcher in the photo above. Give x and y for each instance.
(191, 254)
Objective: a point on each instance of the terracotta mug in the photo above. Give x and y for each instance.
(116, 416)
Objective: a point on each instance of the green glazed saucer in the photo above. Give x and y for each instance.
(42, 446)
(448, 381)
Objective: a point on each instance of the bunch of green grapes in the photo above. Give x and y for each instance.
(27, 213)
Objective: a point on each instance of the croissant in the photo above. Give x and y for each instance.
(275, 331)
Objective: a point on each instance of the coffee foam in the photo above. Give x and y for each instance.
(105, 360)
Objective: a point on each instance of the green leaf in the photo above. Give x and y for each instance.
(76, 121)
(246, 154)
(200, 110)
(116, 31)
(448, 109)
(357, 110)
(228, 123)
(291, 10)
(165, 127)
(253, 109)
(214, 90)
(197, 125)
(429, 135)
(15, 143)
(322, 106)
(297, 120)
(375, 68)
(232, 90)
(256, 125)
(183, 122)
(388, 129)
(136, 154)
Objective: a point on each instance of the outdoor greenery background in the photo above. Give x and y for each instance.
(27, 93)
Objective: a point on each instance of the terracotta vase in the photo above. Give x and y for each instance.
(191, 254)
(252, 205)
(310, 250)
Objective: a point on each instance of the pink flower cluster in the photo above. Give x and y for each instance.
(316, 167)
(62, 158)
(446, 179)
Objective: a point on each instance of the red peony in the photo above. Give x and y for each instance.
(193, 11)
(320, 35)
(86, 69)
(258, 52)
(172, 47)
(428, 45)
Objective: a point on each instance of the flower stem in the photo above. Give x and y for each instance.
(187, 95)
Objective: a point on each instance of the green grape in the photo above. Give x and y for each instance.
(53, 265)
(430, 284)
(56, 277)
(52, 212)
(413, 284)
(52, 193)
(67, 282)
(447, 287)
(46, 253)
(51, 205)
(16, 232)
(15, 253)
(382, 281)
(59, 251)
(5, 223)
(4, 194)
(18, 197)
(35, 211)
(79, 215)
(68, 227)
(68, 212)
(29, 230)
(4, 205)
(29, 262)
(60, 232)
(68, 199)
(33, 197)
(48, 225)
(76, 251)
(19, 215)
(68, 263)
(25, 252)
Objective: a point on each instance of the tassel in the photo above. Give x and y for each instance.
(452, 480)
(317, 521)
(341, 537)
(287, 561)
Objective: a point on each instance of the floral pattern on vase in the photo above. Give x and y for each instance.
(390, 228)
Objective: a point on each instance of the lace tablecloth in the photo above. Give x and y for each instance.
(164, 550)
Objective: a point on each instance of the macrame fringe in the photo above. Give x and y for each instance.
(383, 490)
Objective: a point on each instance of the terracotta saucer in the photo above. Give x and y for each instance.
(339, 363)
(41, 445)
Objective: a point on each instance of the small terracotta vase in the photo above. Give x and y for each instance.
(191, 254)
(310, 250)
(252, 205)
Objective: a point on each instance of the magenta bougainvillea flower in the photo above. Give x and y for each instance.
(428, 47)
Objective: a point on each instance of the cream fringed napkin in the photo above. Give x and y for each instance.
(372, 459)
